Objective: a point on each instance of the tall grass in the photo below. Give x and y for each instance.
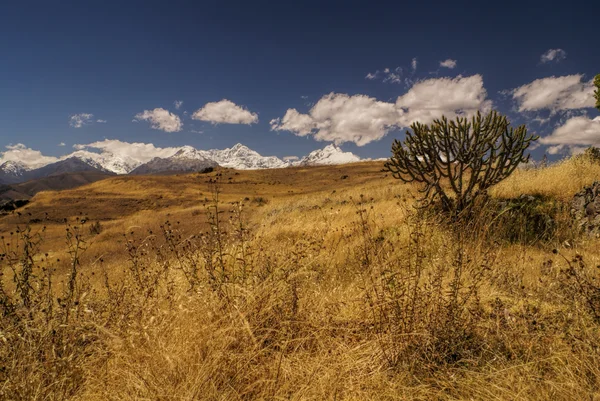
(347, 295)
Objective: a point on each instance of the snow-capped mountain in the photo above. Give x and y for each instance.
(12, 171)
(184, 161)
(106, 161)
(243, 158)
(330, 154)
(188, 159)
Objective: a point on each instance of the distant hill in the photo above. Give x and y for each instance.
(55, 182)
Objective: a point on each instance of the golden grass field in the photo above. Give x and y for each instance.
(309, 283)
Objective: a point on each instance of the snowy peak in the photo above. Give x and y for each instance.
(166, 160)
(14, 168)
(190, 153)
(105, 161)
(13, 171)
(243, 158)
(329, 155)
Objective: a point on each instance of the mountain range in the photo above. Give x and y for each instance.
(183, 160)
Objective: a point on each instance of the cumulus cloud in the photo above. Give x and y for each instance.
(433, 98)
(361, 119)
(81, 119)
(290, 158)
(555, 93)
(341, 118)
(372, 75)
(579, 130)
(553, 55)
(130, 152)
(413, 64)
(225, 111)
(449, 63)
(62, 144)
(161, 119)
(178, 104)
(25, 155)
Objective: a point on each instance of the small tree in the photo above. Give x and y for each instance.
(597, 93)
(470, 155)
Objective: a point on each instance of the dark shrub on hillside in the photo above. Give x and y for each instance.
(527, 219)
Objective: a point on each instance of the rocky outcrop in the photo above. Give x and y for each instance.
(585, 208)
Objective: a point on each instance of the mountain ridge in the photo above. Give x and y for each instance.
(184, 159)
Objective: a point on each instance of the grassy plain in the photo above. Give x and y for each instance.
(299, 284)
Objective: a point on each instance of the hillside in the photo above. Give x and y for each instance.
(326, 284)
(57, 182)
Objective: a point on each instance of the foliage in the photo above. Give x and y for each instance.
(597, 93)
(471, 154)
(527, 219)
(591, 153)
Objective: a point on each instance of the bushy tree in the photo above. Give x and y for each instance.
(597, 93)
(457, 161)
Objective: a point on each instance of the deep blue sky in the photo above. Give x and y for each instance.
(115, 59)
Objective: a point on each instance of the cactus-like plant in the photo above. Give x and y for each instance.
(457, 161)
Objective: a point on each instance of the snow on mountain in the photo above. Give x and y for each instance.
(106, 161)
(329, 155)
(14, 168)
(243, 158)
(12, 172)
(185, 160)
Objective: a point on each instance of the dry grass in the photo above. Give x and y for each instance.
(559, 181)
(337, 290)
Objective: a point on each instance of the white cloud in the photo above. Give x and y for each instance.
(555, 93)
(101, 121)
(413, 64)
(28, 156)
(433, 98)
(290, 158)
(572, 150)
(394, 77)
(389, 75)
(81, 119)
(362, 119)
(225, 111)
(161, 119)
(449, 63)
(178, 104)
(62, 144)
(553, 55)
(136, 152)
(579, 130)
(341, 118)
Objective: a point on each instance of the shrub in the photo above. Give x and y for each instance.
(597, 92)
(527, 219)
(260, 201)
(471, 154)
(96, 228)
(592, 154)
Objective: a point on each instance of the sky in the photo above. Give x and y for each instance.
(286, 78)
